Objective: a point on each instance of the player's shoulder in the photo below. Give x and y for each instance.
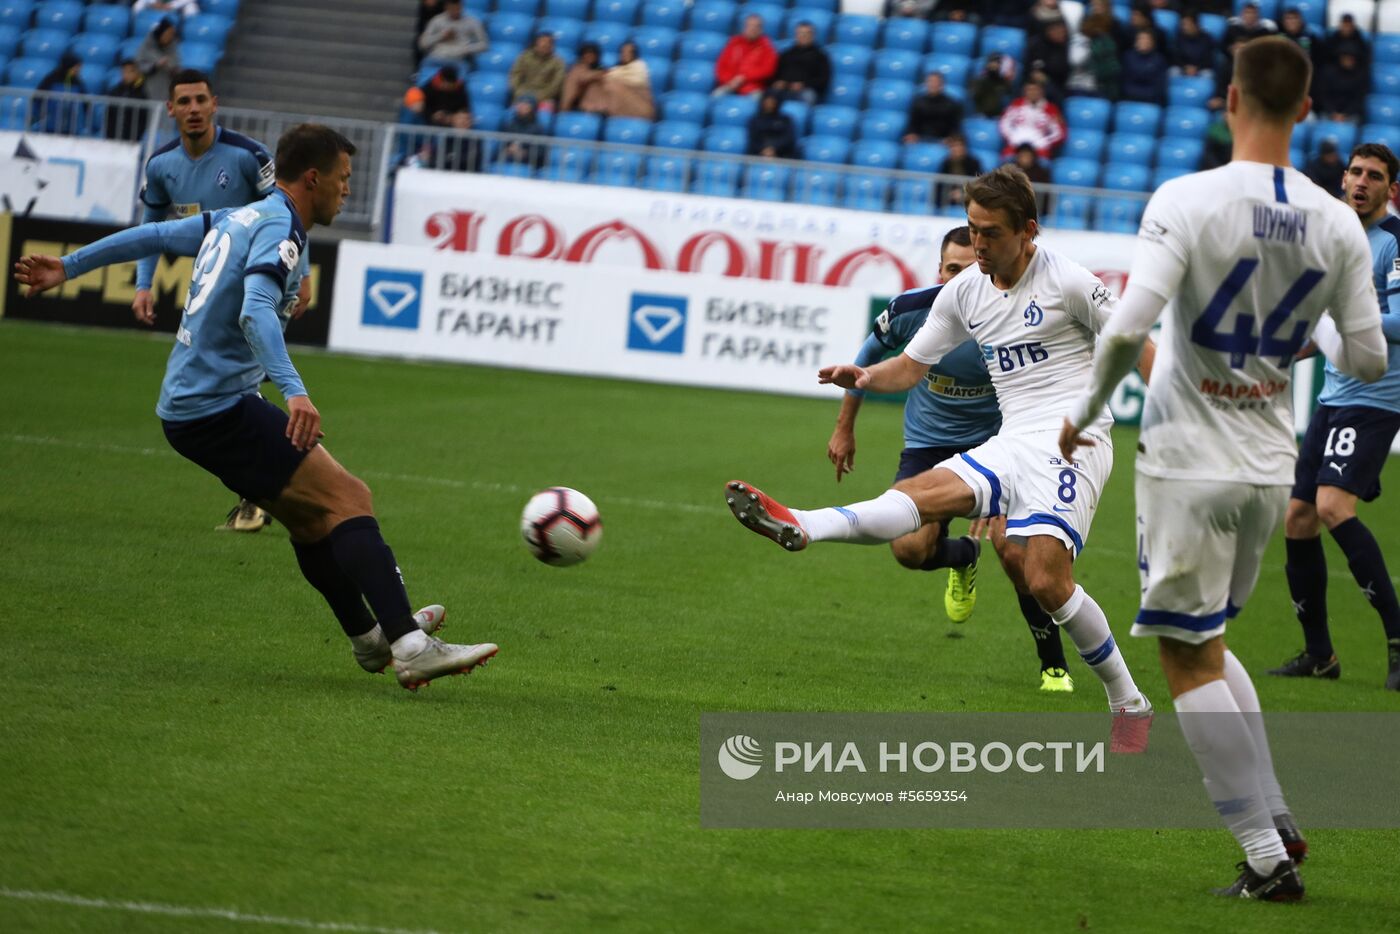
(1197, 192)
(1391, 225)
(163, 153)
(247, 144)
(914, 300)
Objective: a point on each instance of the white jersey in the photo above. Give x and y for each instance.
(1251, 254)
(1037, 337)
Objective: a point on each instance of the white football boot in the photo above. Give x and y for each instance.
(372, 648)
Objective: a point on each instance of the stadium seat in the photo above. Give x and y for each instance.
(659, 73)
(618, 169)
(684, 106)
(63, 15)
(801, 114)
(1386, 49)
(1055, 220)
(1078, 172)
(1268, 9)
(1179, 153)
(701, 46)
(1383, 108)
(729, 140)
(1342, 135)
(206, 27)
(834, 120)
(982, 133)
(857, 29)
(1004, 39)
(1385, 79)
(674, 134)
(9, 41)
(712, 16)
(1125, 176)
(16, 13)
(1071, 210)
(697, 77)
(655, 43)
(14, 111)
(615, 11)
(573, 9)
(516, 28)
(523, 7)
(567, 34)
(953, 68)
(1165, 173)
(770, 13)
(632, 131)
(668, 13)
(1189, 90)
(816, 186)
(107, 18)
(732, 110)
(44, 43)
(1089, 113)
(1118, 215)
(889, 94)
(201, 56)
(913, 196)
(487, 117)
(849, 59)
(142, 23)
(1135, 148)
(666, 173)
(766, 182)
(847, 90)
(904, 33)
(130, 46)
(1214, 25)
(833, 149)
(498, 58)
(1135, 117)
(821, 21)
(1314, 13)
(577, 125)
(1185, 121)
(227, 8)
(1084, 144)
(1387, 134)
(987, 158)
(875, 154)
(866, 192)
(95, 48)
(922, 157)
(897, 64)
(488, 88)
(1167, 21)
(568, 164)
(716, 177)
(883, 125)
(953, 38)
(607, 36)
(28, 72)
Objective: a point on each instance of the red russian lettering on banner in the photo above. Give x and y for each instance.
(805, 257)
(589, 242)
(693, 253)
(454, 230)
(845, 268)
(511, 242)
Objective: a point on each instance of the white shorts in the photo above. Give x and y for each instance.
(1024, 478)
(1199, 548)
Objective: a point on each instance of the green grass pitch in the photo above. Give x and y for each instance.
(184, 724)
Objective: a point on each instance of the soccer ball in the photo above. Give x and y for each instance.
(561, 526)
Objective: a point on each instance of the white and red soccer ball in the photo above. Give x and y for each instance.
(561, 526)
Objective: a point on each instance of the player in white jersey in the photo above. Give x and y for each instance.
(1251, 254)
(1036, 314)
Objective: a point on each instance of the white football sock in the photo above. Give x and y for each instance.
(1242, 690)
(1224, 749)
(409, 644)
(882, 519)
(366, 641)
(1087, 626)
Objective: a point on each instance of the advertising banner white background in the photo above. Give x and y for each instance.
(68, 177)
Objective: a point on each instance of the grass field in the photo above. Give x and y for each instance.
(184, 725)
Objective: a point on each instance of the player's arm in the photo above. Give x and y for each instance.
(260, 171)
(155, 206)
(304, 292)
(1350, 334)
(262, 294)
(181, 237)
(942, 332)
(841, 449)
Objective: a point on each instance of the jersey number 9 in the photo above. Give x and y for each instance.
(213, 254)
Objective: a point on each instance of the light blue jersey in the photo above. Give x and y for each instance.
(234, 171)
(955, 405)
(246, 274)
(1340, 390)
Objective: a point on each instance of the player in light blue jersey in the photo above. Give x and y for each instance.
(247, 267)
(205, 168)
(1346, 446)
(950, 411)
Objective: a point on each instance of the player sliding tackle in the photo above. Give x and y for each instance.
(247, 268)
(1035, 313)
(1252, 253)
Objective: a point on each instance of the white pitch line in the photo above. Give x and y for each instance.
(182, 911)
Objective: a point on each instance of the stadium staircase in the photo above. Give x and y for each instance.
(347, 58)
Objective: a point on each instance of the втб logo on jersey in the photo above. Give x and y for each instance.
(1033, 314)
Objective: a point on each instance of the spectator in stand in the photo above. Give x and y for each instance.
(990, 89)
(959, 11)
(1346, 39)
(1095, 69)
(1032, 119)
(1220, 143)
(453, 36)
(158, 57)
(538, 72)
(176, 8)
(804, 70)
(1042, 13)
(911, 9)
(961, 163)
(61, 114)
(1327, 169)
(1339, 91)
(748, 61)
(1027, 161)
(933, 115)
(445, 101)
(1145, 72)
(586, 71)
(524, 122)
(1049, 52)
(1195, 48)
(1292, 27)
(621, 91)
(1248, 25)
(1140, 20)
(772, 132)
(127, 122)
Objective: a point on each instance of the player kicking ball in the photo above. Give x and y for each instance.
(1035, 313)
(1251, 254)
(247, 268)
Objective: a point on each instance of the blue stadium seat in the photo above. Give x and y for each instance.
(1117, 215)
(142, 23)
(712, 16)
(488, 88)
(1268, 9)
(847, 59)
(572, 9)
(14, 111)
(510, 27)
(1343, 135)
(847, 90)
(904, 33)
(487, 117)
(730, 140)
(913, 196)
(16, 13)
(716, 177)
(831, 6)
(1125, 176)
(673, 134)
(1314, 13)
(982, 133)
(1135, 117)
(826, 149)
(897, 64)
(834, 120)
(575, 125)
(889, 94)
(770, 13)
(1165, 173)
(866, 192)
(9, 41)
(1385, 78)
(1175, 153)
(498, 58)
(1302, 136)
(615, 11)
(695, 76)
(1004, 39)
(1134, 148)
(1214, 25)
(1088, 113)
(1168, 21)
(952, 38)
(567, 33)
(227, 8)
(201, 56)
(108, 18)
(1383, 108)
(94, 77)
(1190, 90)
(1056, 220)
(666, 173)
(987, 158)
(608, 36)
(634, 131)
(684, 106)
(732, 110)
(206, 27)
(1385, 48)
(922, 157)
(523, 7)
(953, 68)
(875, 154)
(816, 186)
(1079, 172)
(701, 46)
(44, 43)
(821, 21)
(1071, 211)
(28, 72)
(130, 46)
(655, 43)
(63, 15)
(568, 164)
(1185, 121)
(618, 169)
(883, 125)
(857, 29)
(1084, 144)
(659, 71)
(1387, 134)
(95, 48)
(669, 13)
(766, 182)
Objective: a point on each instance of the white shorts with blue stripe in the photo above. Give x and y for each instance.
(1199, 547)
(1024, 478)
